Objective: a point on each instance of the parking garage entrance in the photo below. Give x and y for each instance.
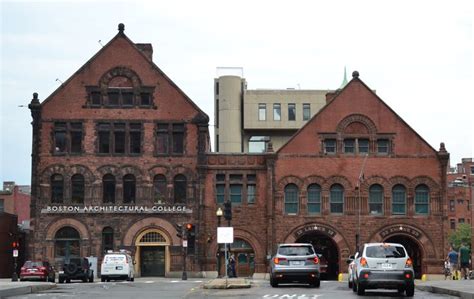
(327, 248)
(413, 249)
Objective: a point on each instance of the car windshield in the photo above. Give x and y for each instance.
(385, 251)
(295, 250)
(30, 264)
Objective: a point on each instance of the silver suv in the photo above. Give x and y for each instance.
(295, 263)
(384, 265)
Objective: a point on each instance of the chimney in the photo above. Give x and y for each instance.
(147, 49)
(330, 95)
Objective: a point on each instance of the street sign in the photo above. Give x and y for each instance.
(225, 235)
(15, 252)
(185, 243)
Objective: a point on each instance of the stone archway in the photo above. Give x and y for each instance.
(333, 239)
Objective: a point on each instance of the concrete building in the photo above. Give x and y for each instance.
(247, 120)
(121, 156)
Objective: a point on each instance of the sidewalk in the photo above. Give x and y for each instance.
(10, 288)
(459, 288)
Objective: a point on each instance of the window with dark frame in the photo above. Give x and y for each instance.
(452, 206)
(220, 188)
(77, 189)
(108, 188)
(67, 137)
(251, 188)
(336, 199)
(277, 112)
(314, 199)
(262, 111)
(107, 239)
(178, 138)
(363, 145)
(2, 205)
(235, 184)
(376, 200)
(129, 188)
(57, 188)
(306, 111)
(452, 223)
(349, 145)
(170, 138)
(119, 138)
(399, 200)
(180, 186)
(291, 112)
(330, 146)
(422, 200)
(382, 146)
(159, 189)
(291, 199)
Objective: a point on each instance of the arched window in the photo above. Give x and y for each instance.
(399, 201)
(376, 200)
(291, 199)
(108, 186)
(77, 189)
(57, 188)
(159, 188)
(107, 239)
(337, 199)
(67, 243)
(180, 189)
(129, 188)
(422, 199)
(314, 199)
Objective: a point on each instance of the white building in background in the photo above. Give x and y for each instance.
(247, 120)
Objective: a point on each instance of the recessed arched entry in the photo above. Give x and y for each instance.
(244, 255)
(414, 251)
(327, 249)
(152, 253)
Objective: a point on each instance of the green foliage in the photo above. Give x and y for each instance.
(461, 235)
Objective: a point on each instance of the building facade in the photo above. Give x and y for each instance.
(121, 156)
(15, 199)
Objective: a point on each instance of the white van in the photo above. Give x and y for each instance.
(117, 265)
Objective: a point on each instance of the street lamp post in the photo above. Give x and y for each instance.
(219, 215)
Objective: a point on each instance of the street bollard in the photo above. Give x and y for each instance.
(339, 277)
(423, 277)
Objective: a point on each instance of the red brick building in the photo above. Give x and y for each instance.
(15, 199)
(121, 155)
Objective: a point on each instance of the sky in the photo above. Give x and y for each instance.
(417, 55)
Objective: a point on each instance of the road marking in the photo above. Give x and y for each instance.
(293, 296)
(149, 281)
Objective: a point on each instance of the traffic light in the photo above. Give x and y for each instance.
(179, 230)
(189, 227)
(191, 237)
(228, 210)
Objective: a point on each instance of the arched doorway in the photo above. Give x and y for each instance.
(152, 254)
(327, 248)
(67, 244)
(244, 257)
(413, 249)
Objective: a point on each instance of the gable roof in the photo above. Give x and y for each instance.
(121, 34)
(355, 78)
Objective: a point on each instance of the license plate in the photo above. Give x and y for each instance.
(32, 270)
(386, 266)
(118, 268)
(296, 263)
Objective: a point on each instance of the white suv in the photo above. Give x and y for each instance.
(384, 265)
(117, 265)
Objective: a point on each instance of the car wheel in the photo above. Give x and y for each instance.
(132, 279)
(410, 291)
(68, 280)
(273, 282)
(84, 279)
(316, 283)
(349, 284)
(51, 279)
(360, 290)
(91, 278)
(61, 280)
(102, 278)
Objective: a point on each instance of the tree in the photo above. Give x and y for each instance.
(461, 235)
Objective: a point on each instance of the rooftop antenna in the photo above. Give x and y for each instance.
(57, 80)
(100, 42)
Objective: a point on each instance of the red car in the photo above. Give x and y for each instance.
(41, 270)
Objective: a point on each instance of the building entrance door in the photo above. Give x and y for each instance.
(152, 260)
(327, 249)
(413, 250)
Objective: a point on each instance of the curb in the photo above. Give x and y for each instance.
(22, 290)
(214, 284)
(446, 291)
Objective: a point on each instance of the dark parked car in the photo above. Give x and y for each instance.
(78, 269)
(41, 270)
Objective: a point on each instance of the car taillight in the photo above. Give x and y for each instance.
(315, 260)
(42, 268)
(23, 269)
(277, 260)
(409, 263)
(363, 262)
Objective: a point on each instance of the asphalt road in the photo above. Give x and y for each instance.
(170, 288)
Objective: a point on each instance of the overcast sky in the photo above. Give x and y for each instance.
(417, 55)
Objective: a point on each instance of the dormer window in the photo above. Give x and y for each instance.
(120, 88)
